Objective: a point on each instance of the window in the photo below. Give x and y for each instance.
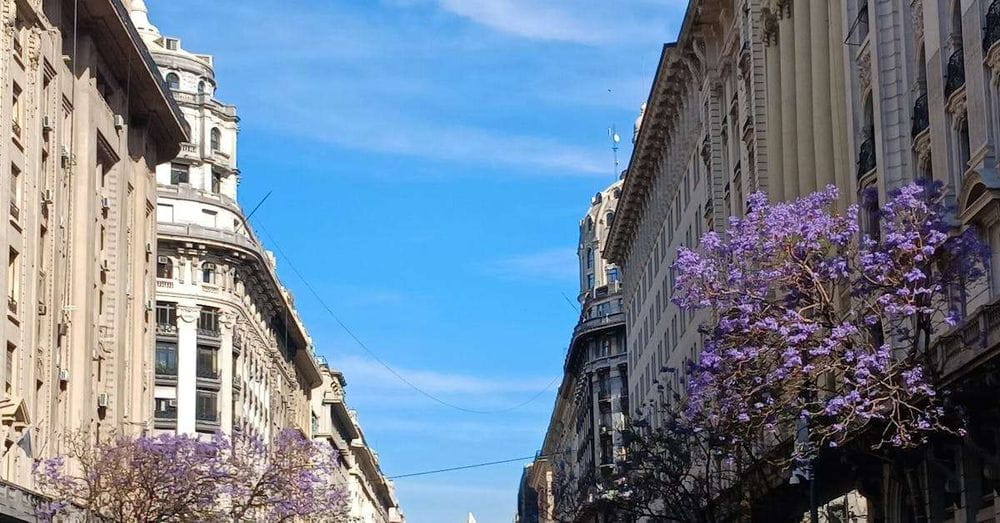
(216, 182)
(16, 111)
(590, 258)
(166, 358)
(612, 274)
(172, 44)
(215, 137)
(207, 362)
(15, 192)
(208, 322)
(173, 81)
(164, 267)
(208, 273)
(590, 281)
(201, 87)
(609, 218)
(205, 406)
(13, 280)
(166, 313)
(165, 408)
(9, 369)
(179, 173)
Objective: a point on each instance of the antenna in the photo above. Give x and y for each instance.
(615, 140)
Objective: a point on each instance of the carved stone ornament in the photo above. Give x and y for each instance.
(865, 70)
(187, 313)
(917, 12)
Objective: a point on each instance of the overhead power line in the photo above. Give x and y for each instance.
(464, 467)
(374, 356)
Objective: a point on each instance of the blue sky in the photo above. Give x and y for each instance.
(429, 161)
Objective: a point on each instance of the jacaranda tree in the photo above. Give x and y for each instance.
(821, 330)
(175, 478)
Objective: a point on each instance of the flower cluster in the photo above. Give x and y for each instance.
(815, 323)
(187, 478)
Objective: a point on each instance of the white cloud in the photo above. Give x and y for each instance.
(558, 264)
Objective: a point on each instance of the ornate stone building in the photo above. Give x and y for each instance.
(786, 97)
(583, 441)
(231, 352)
(372, 497)
(84, 121)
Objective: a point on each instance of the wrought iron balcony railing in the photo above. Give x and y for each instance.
(955, 76)
(921, 119)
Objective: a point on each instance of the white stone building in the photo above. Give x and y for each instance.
(583, 440)
(231, 352)
(371, 496)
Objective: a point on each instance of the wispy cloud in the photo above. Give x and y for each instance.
(583, 22)
(370, 375)
(559, 264)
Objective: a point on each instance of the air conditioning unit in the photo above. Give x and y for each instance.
(42, 309)
(102, 400)
(63, 375)
(171, 403)
(63, 329)
(119, 122)
(105, 203)
(162, 259)
(105, 265)
(47, 196)
(65, 157)
(47, 124)
(149, 248)
(208, 265)
(149, 305)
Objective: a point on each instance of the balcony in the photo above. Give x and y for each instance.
(611, 320)
(866, 154)
(207, 373)
(11, 305)
(970, 343)
(955, 77)
(166, 329)
(213, 333)
(991, 32)
(921, 119)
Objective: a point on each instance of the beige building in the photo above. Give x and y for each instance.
(231, 352)
(787, 96)
(371, 496)
(84, 121)
(583, 441)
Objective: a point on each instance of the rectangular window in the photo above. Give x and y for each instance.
(208, 322)
(612, 275)
(179, 173)
(216, 182)
(9, 369)
(166, 314)
(165, 408)
(590, 281)
(16, 112)
(166, 358)
(13, 280)
(208, 362)
(15, 191)
(205, 406)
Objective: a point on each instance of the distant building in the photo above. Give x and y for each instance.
(83, 121)
(371, 496)
(583, 441)
(527, 499)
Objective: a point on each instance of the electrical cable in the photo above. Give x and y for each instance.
(376, 357)
(464, 467)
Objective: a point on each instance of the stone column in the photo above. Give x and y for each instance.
(842, 163)
(225, 362)
(819, 27)
(803, 98)
(789, 165)
(187, 351)
(775, 154)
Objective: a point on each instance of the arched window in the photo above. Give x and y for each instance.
(216, 139)
(609, 218)
(173, 81)
(164, 267)
(590, 224)
(201, 87)
(208, 273)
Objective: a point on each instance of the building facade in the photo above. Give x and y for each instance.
(786, 97)
(84, 121)
(583, 441)
(231, 352)
(371, 496)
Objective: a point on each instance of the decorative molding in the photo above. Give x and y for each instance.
(956, 106)
(917, 13)
(187, 313)
(865, 70)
